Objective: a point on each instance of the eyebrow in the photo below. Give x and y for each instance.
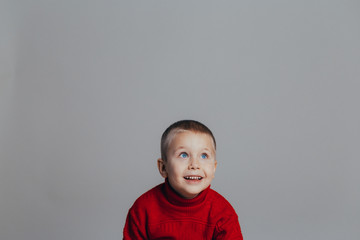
(177, 149)
(203, 149)
(209, 150)
(185, 148)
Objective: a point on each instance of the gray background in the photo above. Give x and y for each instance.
(88, 87)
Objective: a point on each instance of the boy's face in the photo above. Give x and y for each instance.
(191, 163)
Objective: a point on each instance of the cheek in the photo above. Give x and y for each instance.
(173, 169)
(211, 170)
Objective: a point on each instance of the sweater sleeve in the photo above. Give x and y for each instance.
(134, 228)
(228, 228)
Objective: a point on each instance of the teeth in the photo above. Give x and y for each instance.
(193, 178)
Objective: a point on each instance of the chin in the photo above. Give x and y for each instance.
(192, 194)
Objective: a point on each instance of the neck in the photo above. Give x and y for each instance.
(176, 199)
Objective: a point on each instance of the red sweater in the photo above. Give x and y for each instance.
(161, 213)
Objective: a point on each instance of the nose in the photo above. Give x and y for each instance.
(194, 163)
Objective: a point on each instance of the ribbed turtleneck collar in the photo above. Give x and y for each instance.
(176, 199)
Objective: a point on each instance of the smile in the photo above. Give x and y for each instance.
(193, 178)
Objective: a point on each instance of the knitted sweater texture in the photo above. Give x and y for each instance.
(161, 213)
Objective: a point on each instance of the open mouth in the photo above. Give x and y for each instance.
(193, 177)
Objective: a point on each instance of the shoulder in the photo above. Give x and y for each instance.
(138, 215)
(227, 222)
(218, 198)
(220, 204)
(149, 198)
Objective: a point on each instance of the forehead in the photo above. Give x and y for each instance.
(186, 138)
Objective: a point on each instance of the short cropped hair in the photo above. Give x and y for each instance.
(181, 126)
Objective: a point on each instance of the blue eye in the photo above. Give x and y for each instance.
(204, 156)
(183, 155)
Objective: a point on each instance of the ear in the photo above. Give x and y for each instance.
(162, 167)
(215, 165)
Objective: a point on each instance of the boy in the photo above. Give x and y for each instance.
(184, 207)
